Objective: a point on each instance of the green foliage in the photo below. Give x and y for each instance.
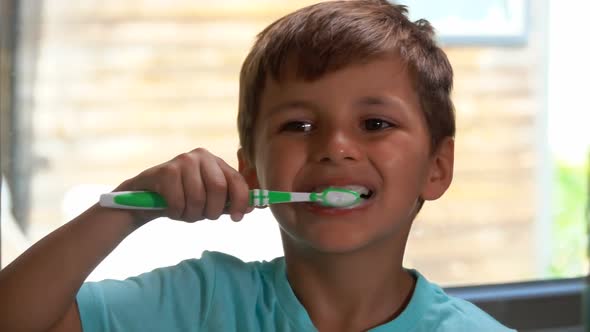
(569, 228)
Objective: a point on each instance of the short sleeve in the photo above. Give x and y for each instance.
(174, 298)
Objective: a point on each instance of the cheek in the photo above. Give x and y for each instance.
(403, 161)
(278, 164)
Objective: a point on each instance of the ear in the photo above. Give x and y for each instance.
(247, 170)
(440, 172)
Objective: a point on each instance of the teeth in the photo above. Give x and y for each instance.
(358, 188)
(355, 187)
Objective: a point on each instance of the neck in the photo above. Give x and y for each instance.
(362, 289)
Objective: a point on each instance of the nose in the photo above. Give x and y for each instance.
(336, 146)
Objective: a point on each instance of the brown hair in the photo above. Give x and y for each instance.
(330, 35)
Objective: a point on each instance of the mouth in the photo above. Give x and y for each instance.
(366, 193)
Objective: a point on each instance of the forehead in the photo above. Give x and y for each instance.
(379, 76)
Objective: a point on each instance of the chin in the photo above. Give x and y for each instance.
(331, 242)
(340, 234)
(335, 248)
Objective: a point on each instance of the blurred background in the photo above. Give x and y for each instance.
(93, 92)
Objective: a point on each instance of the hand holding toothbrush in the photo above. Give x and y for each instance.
(195, 186)
(199, 178)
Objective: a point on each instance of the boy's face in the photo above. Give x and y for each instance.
(361, 125)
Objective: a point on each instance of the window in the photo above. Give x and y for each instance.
(95, 92)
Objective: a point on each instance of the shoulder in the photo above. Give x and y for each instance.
(212, 263)
(233, 278)
(449, 313)
(185, 295)
(190, 275)
(465, 316)
(226, 264)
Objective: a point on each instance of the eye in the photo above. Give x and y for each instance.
(376, 124)
(297, 126)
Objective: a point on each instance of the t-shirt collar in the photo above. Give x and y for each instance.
(408, 318)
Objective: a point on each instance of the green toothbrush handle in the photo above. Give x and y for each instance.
(147, 200)
(133, 200)
(262, 197)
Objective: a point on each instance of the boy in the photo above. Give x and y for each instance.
(345, 94)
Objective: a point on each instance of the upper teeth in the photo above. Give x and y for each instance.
(355, 187)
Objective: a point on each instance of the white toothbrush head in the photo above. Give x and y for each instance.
(336, 197)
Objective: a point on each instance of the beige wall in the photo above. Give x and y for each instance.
(123, 85)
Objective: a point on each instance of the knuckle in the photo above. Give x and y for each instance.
(217, 185)
(169, 170)
(242, 199)
(238, 203)
(198, 202)
(168, 177)
(200, 151)
(237, 178)
(186, 157)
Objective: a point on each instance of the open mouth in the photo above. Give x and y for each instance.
(365, 194)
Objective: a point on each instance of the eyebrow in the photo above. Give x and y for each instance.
(301, 104)
(388, 101)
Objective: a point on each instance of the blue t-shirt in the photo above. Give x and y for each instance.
(221, 293)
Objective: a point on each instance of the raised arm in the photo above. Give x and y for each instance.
(38, 290)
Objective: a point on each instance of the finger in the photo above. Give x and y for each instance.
(194, 191)
(238, 195)
(215, 187)
(169, 185)
(138, 183)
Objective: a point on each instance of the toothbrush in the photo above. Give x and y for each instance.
(147, 200)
